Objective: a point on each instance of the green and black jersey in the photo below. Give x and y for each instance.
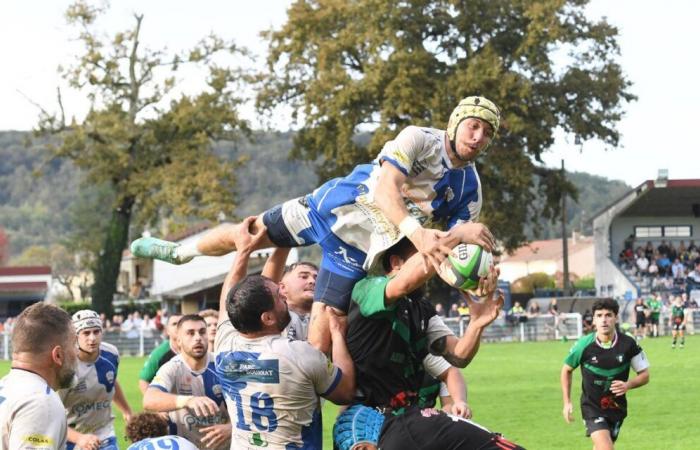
(159, 356)
(389, 343)
(677, 314)
(600, 366)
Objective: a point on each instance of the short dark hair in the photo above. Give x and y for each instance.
(288, 268)
(403, 249)
(146, 425)
(606, 303)
(189, 318)
(40, 327)
(246, 301)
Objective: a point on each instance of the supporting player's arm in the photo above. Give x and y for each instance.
(274, 266)
(158, 401)
(121, 402)
(565, 379)
(83, 441)
(245, 244)
(344, 392)
(456, 402)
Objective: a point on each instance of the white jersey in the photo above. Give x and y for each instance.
(89, 402)
(434, 191)
(272, 387)
(298, 328)
(31, 413)
(163, 443)
(176, 377)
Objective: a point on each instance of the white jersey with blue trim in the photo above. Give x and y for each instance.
(89, 402)
(272, 387)
(31, 413)
(176, 377)
(434, 192)
(163, 443)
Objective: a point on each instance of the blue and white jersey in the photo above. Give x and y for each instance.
(434, 192)
(163, 443)
(89, 402)
(176, 377)
(272, 387)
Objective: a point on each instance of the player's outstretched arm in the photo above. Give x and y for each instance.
(274, 266)
(565, 380)
(410, 277)
(121, 402)
(344, 392)
(245, 244)
(457, 400)
(158, 401)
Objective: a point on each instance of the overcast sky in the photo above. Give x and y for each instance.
(658, 43)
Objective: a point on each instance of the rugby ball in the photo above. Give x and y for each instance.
(463, 270)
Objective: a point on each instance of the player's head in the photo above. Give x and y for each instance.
(298, 284)
(192, 336)
(605, 315)
(88, 328)
(397, 254)
(472, 126)
(171, 326)
(255, 305)
(358, 428)
(211, 317)
(43, 338)
(146, 425)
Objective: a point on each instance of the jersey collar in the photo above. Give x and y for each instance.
(604, 346)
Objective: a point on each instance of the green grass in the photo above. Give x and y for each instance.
(514, 389)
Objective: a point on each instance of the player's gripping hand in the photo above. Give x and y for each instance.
(429, 244)
(202, 406)
(474, 233)
(619, 387)
(246, 241)
(215, 435)
(88, 442)
(568, 412)
(461, 409)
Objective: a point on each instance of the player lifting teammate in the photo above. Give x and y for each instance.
(422, 177)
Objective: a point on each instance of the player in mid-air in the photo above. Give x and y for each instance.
(89, 401)
(677, 322)
(423, 177)
(605, 358)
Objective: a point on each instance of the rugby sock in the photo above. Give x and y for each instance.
(188, 250)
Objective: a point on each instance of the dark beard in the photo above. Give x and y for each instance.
(283, 321)
(65, 377)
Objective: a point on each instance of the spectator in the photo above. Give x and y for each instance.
(649, 251)
(463, 309)
(533, 309)
(587, 321)
(692, 246)
(678, 270)
(642, 264)
(516, 314)
(653, 269)
(454, 311)
(440, 310)
(663, 248)
(148, 327)
(553, 309)
(672, 252)
(129, 328)
(664, 264)
(693, 279)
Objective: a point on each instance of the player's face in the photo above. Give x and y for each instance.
(298, 285)
(89, 339)
(473, 136)
(212, 323)
(172, 325)
(192, 338)
(604, 321)
(280, 309)
(364, 446)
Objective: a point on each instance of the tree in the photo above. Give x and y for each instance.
(151, 148)
(350, 66)
(63, 262)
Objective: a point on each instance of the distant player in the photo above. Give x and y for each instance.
(605, 358)
(188, 388)
(211, 317)
(88, 402)
(640, 312)
(273, 384)
(43, 360)
(149, 431)
(422, 178)
(654, 304)
(677, 322)
(161, 354)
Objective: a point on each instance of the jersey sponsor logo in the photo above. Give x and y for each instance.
(599, 420)
(193, 423)
(110, 376)
(620, 358)
(343, 252)
(84, 408)
(449, 194)
(261, 371)
(400, 156)
(594, 360)
(40, 440)
(216, 389)
(80, 387)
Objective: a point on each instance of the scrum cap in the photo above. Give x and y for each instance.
(477, 107)
(86, 318)
(356, 425)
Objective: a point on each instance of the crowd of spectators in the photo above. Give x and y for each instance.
(666, 267)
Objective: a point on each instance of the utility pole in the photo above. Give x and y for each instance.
(567, 286)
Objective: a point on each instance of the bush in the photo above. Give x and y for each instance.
(586, 283)
(528, 284)
(73, 307)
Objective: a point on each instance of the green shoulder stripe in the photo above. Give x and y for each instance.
(368, 293)
(573, 359)
(609, 373)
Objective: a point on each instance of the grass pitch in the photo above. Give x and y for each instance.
(514, 389)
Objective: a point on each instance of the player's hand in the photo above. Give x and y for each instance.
(475, 233)
(338, 325)
(215, 435)
(246, 241)
(568, 412)
(88, 442)
(619, 387)
(429, 244)
(461, 409)
(482, 314)
(202, 406)
(488, 284)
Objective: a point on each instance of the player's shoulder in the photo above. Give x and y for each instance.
(583, 342)
(106, 347)
(627, 341)
(300, 353)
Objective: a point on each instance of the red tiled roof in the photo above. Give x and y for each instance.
(29, 286)
(27, 270)
(547, 250)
